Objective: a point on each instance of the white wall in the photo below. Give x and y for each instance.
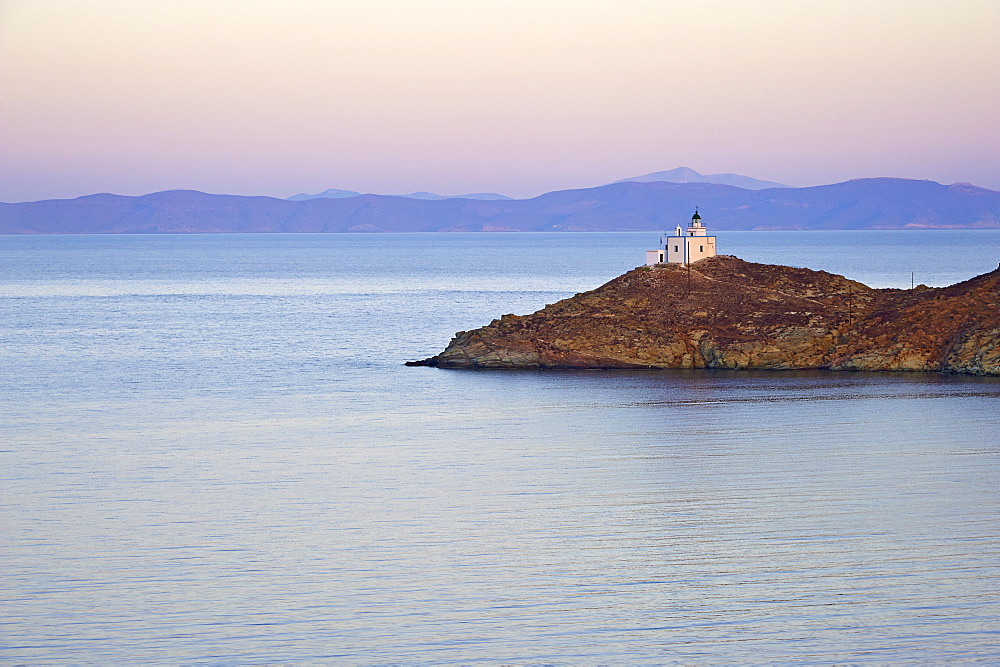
(698, 247)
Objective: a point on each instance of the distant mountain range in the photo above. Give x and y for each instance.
(678, 175)
(869, 203)
(334, 193)
(688, 175)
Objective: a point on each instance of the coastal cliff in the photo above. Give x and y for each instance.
(728, 313)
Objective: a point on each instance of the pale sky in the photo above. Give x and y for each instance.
(520, 97)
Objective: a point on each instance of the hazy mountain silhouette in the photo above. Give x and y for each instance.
(678, 175)
(688, 175)
(871, 203)
(334, 193)
(484, 196)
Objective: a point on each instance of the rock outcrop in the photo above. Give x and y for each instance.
(724, 312)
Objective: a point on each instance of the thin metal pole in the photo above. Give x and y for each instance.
(850, 306)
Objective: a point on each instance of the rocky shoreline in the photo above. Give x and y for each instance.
(724, 312)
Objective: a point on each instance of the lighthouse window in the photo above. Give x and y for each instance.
(676, 248)
(701, 248)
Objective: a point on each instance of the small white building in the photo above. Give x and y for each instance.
(684, 248)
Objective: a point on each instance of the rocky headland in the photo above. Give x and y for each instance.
(724, 312)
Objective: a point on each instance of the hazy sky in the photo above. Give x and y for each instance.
(514, 96)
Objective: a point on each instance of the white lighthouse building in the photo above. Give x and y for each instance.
(684, 248)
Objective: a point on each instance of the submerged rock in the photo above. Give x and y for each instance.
(728, 313)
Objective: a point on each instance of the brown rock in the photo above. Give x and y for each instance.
(728, 313)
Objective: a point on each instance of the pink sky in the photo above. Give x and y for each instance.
(513, 96)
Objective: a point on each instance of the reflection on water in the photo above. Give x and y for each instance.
(216, 474)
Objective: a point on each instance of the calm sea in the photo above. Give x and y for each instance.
(211, 452)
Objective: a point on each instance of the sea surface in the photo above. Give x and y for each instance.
(211, 452)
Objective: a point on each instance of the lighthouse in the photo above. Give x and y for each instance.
(684, 247)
